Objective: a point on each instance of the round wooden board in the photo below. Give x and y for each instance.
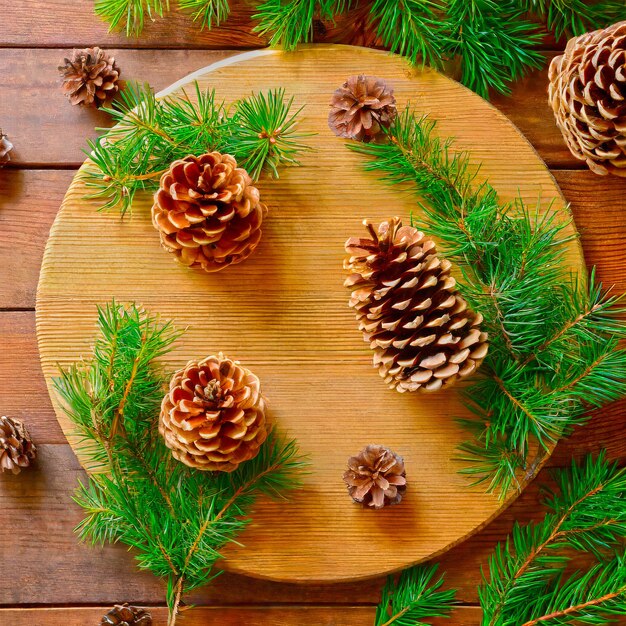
(284, 314)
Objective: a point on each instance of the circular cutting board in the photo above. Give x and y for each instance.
(284, 314)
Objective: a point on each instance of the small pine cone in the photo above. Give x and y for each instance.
(376, 477)
(422, 333)
(124, 615)
(5, 148)
(362, 108)
(587, 92)
(213, 417)
(16, 447)
(90, 77)
(207, 212)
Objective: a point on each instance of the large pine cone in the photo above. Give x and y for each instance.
(213, 417)
(16, 447)
(5, 148)
(362, 108)
(588, 95)
(90, 77)
(124, 615)
(207, 211)
(376, 477)
(421, 331)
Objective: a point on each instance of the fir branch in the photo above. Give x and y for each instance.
(177, 519)
(130, 14)
(207, 12)
(411, 28)
(289, 22)
(264, 134)
(526, 583)
(151, 133)
(415, 596)
(575, 17)
(495, 44)
(553, 335)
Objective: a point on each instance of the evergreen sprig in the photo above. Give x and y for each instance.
(496, 41)
(553, 334)
(176, 518)
(414, 596)
(530, 579)
(261, 130)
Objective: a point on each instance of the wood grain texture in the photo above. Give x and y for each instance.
(30, 199)
(284, 315)
(30, 78)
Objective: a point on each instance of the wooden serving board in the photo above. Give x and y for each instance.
(284, 314)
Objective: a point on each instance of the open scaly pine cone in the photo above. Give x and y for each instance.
(422, 333)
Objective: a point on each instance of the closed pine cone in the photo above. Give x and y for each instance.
(588, 95)
(213, 417)
(361, 108)
(124, 615)
(207, 212)
(376, 477)
(422, 333)
(17, 450)
(90, 77)
(5, 148)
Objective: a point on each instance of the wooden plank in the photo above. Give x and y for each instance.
(63, 24)
(229, 616)
(31, 78)
(29, 201)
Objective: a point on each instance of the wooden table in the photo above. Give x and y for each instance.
(43, 568)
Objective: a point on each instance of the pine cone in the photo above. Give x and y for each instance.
(124, 615)
(5, 148)
(588, 95)
(361, 108)
(376, 477)
(419, 327)
(90, 77)
(16, 447)
(213, 417)
(207, 212)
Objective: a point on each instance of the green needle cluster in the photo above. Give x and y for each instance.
(553, 334)
(531, 579)
(176, 519)
(260, 130)
(495, 41)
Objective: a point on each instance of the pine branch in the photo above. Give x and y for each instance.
(151, 133)
(553, 335)
(130, 15)
(177, 519)
(207, 12)
(411, 28)
(526, 583)
(290, 22)
(575, 17)
(415, 596)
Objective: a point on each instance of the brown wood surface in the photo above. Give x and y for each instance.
(41, 563)
(284, 314)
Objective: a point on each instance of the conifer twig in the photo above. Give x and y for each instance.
(553, 335)
(161, 508)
